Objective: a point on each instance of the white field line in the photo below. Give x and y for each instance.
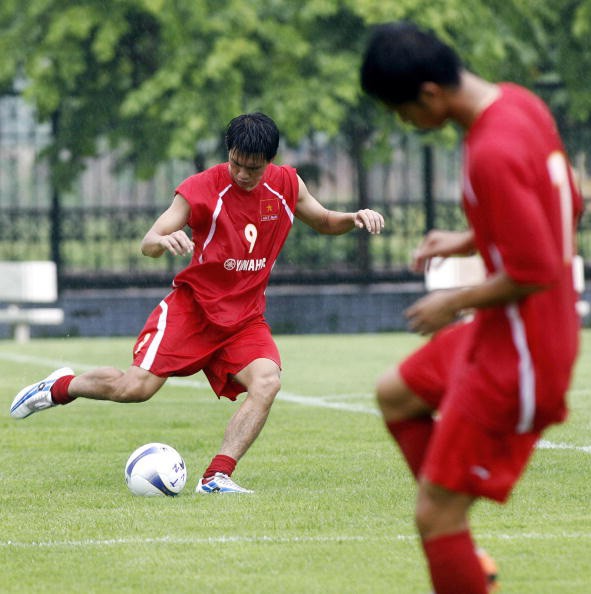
(543, 444)
(314, 401)
(168, 540)
(323, 402)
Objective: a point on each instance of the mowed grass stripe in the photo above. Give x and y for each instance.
(327, 402)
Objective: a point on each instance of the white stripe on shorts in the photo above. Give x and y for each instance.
(148, 360)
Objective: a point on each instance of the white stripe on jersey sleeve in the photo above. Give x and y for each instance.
(283, 201)
(216, 214)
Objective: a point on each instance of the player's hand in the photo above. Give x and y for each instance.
(432, 312)
(177, 243)
(441, 243)
(369, 219)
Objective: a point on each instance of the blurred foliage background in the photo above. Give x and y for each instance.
(160, 79)
(153, 83)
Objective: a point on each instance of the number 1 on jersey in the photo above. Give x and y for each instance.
(250, 232)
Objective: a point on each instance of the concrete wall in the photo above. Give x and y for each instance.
(290, 310)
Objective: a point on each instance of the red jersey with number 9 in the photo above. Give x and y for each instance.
(238, 235)
(523, 206)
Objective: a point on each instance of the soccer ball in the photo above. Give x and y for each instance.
(155, 469)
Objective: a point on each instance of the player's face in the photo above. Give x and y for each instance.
(429, 110)
(420, 115)
(246, 170)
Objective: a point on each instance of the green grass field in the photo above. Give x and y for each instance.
(333, 508)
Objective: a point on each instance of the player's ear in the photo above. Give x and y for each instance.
(430, 91)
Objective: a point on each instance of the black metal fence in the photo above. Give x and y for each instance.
(99, 247)
(94, 231)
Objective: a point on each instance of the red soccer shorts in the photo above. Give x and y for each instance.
(178, 340)
(430, 369)
(462, 455)
(465, 457)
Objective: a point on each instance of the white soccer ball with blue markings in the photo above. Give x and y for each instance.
(155, 469)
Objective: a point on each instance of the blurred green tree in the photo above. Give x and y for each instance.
(159, 80)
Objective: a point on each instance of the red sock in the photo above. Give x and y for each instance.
(454, 565)
(220, 463)
(413, 437)
(59, 390)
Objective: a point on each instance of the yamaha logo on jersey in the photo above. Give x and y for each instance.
(251, 265)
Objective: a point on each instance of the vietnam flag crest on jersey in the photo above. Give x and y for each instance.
(269, 209)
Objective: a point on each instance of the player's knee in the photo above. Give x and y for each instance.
(272, 384)
(391, 393)
(396, 400)
(424, 517)
(382, 391)
(266, 386)
(439, 511)
(433, 520)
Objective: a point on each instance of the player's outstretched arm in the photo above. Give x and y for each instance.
(167, 233)
(330, 222)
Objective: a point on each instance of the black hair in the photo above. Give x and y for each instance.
(253, 134)
(400, 57)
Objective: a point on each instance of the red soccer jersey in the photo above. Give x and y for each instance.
(238, 235)
(523, 206)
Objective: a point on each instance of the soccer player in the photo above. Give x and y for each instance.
(240, 213)
(467, 408)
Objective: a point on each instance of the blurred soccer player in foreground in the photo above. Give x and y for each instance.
(240, 213)
(494, 383)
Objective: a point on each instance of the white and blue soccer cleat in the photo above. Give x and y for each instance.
(220, 483)
(37, 396)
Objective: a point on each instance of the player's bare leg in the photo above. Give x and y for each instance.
(440, 511)
(108, 383)
(105, 383)
(262, 381)
(407, 417)
(442, 520)
(396, 400)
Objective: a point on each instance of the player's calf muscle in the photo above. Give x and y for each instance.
(108, 383)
